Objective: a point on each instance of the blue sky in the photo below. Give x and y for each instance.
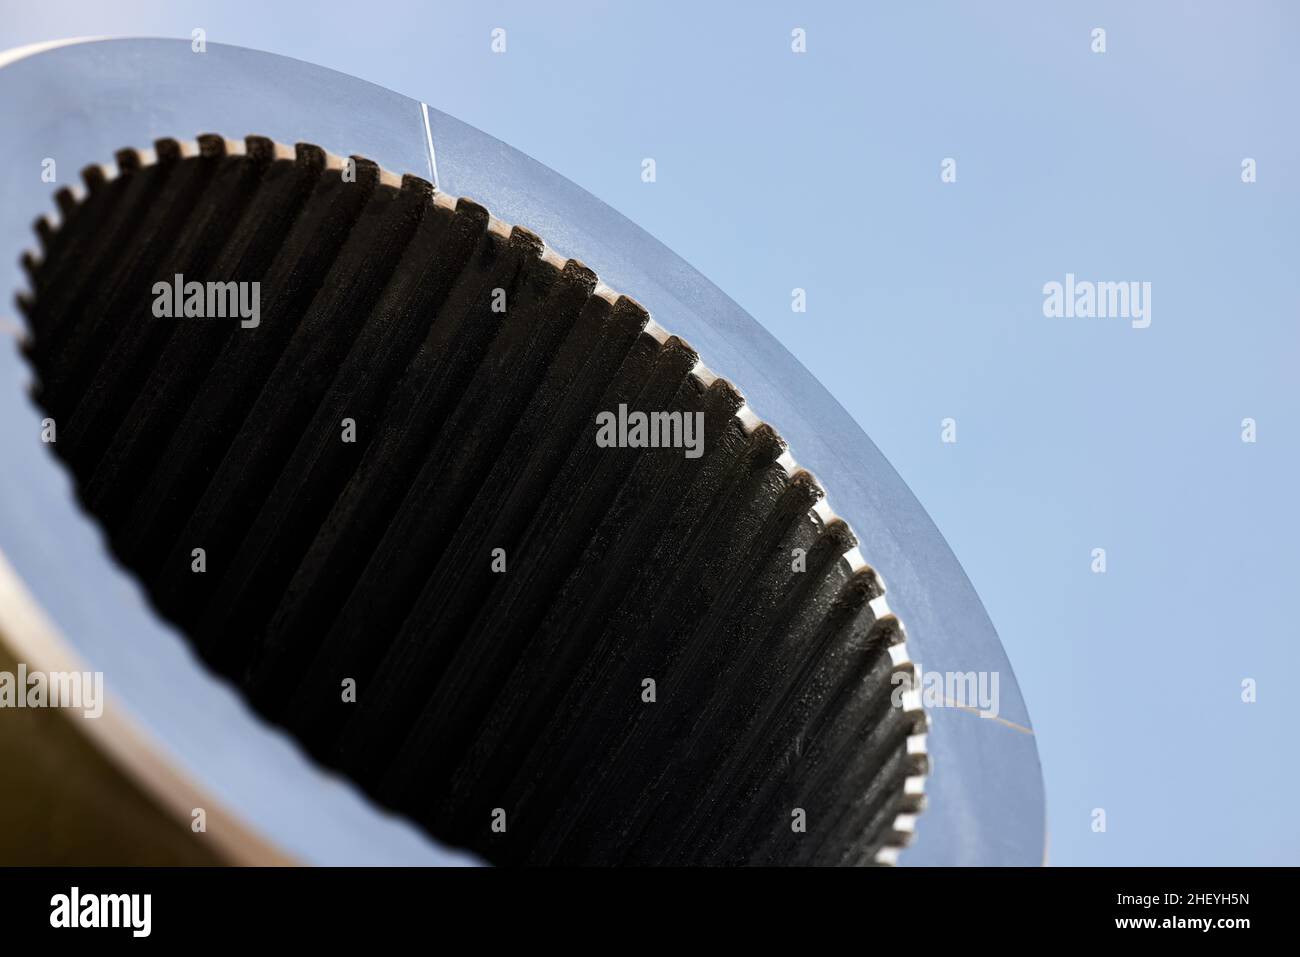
(822, 171)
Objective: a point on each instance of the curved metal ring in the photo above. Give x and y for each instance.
(80, 101)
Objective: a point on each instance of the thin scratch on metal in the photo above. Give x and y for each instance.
(1010, 724)
(428, 139)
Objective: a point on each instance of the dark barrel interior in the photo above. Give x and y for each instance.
(382, 513)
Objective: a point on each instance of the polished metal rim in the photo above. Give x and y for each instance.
(80, 101)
